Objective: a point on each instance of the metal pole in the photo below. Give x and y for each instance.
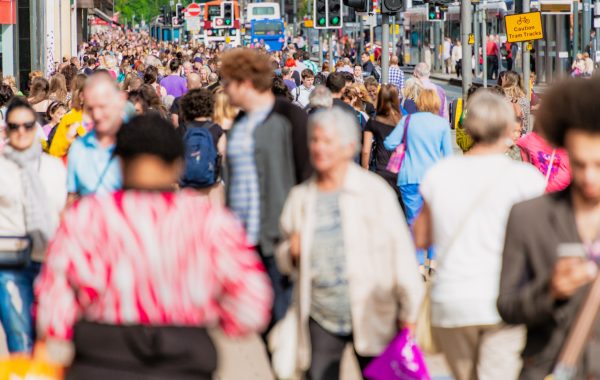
(587, 22)
(330, 46)
(294, 19)
(558, 28)
(308, 30)
(361, 38)
(576, 36)
(465, 30)
(385, 48)
(320, 49)
(478, 41)
(549, 54)
(526, 58)
(393, 26)
(484, 42)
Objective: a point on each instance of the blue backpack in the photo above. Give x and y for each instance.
(201, 158)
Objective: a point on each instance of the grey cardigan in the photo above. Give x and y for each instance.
(534, 231)
(274, 158)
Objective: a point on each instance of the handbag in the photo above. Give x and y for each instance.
(401, 360)
(423, 330)
(282, 342)
(15, 251)
(395, 162)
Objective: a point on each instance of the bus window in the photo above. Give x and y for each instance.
(268, 29)
(263, 11)
(214, 11)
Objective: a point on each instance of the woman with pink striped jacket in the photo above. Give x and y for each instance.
(134, 278)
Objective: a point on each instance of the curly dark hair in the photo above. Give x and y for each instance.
(5, 94)
(279, 88)
(571, 104)
(197, 103)
(149, 134)
(69, 72)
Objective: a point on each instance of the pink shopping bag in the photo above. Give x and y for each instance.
(401, 360)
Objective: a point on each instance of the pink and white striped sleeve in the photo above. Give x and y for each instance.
(58, 307)
(246, 293)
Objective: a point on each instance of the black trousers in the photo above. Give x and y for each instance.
(492, 67)
(141, 353)
(327, 352)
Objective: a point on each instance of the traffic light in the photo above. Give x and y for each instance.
(359, 5)
(328, 14)
(164, 16)
(320, 16)
(433, 12)
(228, 15)
(335, 13)
(391, 6)
(179, 14)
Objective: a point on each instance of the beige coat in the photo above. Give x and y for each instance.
(382, 268)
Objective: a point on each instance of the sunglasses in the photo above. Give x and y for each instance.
(14, 126)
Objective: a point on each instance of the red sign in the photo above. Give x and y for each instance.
(193, 10)
(8, 11)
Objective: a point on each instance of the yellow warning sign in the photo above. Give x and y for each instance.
(524, 27)
(529, 46)
(308, 23)
(471, 39)
(227, 39)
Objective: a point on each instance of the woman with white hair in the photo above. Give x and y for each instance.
(320, 98)
(467, 200)
(348, 244)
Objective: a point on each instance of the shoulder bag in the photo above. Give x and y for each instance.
(15, 251)
(395, 162)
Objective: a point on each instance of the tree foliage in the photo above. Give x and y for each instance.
(141, 9)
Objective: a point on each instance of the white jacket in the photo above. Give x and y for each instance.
(382, 268)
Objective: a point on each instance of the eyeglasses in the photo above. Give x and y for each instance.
(14, 126)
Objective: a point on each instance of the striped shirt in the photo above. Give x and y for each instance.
(151, 258)
(244, 190)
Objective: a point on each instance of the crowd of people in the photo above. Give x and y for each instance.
(150, 191)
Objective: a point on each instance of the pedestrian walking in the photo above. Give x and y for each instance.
(355, 283)
(513, 89)
(92, 167)
(422, 73)
(135, 297)
(302, 92)
(260, 161)
(427, 142)
(550, 251)
(466, 204)
(375, 133)
(33, 192)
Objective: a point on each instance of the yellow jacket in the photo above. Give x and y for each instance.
(61, 143)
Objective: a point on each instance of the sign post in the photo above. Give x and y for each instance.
(524, 27)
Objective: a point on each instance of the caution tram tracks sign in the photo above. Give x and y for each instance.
(524, 27)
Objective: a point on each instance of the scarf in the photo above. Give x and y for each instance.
(37, 214)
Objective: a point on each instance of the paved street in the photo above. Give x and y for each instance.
(246, 359)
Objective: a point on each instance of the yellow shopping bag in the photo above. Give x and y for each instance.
(22, 367)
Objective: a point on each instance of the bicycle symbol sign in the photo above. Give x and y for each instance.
(524, 27)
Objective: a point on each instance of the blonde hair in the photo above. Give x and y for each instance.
(223, 110)
(428, 101)
(412, 88)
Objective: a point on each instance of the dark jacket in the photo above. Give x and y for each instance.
(298, 118)
(274, 158)
(369, 69)
(535, 229)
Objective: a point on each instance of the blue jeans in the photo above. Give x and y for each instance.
(16, 303)
(413, 203)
